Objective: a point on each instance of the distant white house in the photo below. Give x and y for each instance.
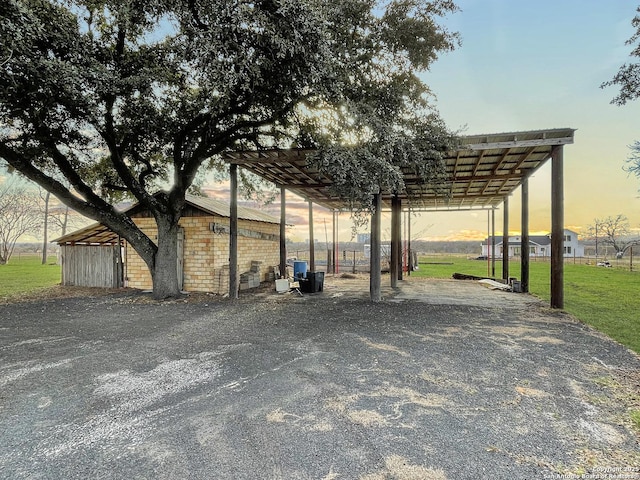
(539, 245)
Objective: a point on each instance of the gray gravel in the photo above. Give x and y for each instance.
(325, 386)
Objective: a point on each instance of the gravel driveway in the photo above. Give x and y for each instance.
(442, 380)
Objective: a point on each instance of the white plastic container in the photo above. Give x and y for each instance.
(282, 285)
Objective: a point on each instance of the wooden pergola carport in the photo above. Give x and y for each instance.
(482, 172)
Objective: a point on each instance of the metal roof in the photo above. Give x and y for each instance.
(221, 209)
(480, 172)
(100, 234)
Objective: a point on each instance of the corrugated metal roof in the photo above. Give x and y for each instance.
(100, 234)
(222, 209)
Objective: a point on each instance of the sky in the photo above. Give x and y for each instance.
(526, 65)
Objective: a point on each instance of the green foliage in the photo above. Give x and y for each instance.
(121, 97)
(26, 274)
(605, 298)
(126, 92)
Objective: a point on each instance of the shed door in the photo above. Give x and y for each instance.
(180, 247)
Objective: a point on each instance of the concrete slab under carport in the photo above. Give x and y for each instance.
(431, 291)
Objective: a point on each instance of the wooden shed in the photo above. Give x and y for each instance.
(95, 256)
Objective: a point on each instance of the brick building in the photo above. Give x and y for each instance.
(95, 253)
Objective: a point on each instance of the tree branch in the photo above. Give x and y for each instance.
(100, 210)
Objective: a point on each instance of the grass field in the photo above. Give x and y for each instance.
(26, 274)
(606, 298)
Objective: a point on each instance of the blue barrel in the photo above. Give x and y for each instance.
(299, 269)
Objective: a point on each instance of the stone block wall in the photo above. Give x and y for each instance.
(206, 253)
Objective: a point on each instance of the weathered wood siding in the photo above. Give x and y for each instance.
(91, 265)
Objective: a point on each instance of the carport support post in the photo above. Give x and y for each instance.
(283, 232)
(233, 233)
(333, 243)
(409, 257)
(396, 209)
(505, 240)
(524, 242)
(312, 245)
(493, 243)
(375, 275)
(336, 246)
(557, 228)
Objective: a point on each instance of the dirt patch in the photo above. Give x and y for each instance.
(311, 386)
(531, 392)
(59, 291)
(384, 347)
(399, 468)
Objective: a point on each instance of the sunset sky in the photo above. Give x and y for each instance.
(529, 66)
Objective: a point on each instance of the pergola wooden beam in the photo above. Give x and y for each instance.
(483, 171)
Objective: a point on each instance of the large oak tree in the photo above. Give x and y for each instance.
(136, 95)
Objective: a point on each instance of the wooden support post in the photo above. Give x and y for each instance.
(374, 275)
(410, 256)
(524, 243)
(493, 243)
(395, 240)
(557, 228)
(283, 232)
(233, 234)
(312, 245)
(400, 240)
(505, 240)
(488, 244)
(336, 256)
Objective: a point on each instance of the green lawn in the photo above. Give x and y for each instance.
(606, 298)
(26, 274)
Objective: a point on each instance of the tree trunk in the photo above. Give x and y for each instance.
(46, 227)
(65, 221)
(164, 272)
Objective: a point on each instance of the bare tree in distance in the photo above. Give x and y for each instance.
(614, 231)
(57, 218)
(45, 197)
(19, 215)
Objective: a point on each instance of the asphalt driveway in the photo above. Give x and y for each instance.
(326, 386)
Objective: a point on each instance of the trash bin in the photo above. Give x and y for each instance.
(299, 269)
(314, 282)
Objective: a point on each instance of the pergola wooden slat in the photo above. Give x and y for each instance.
(481, 173)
